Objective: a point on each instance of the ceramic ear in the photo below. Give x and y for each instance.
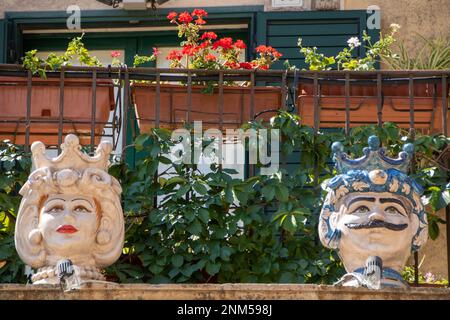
(35, 236)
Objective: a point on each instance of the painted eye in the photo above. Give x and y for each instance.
(392, 210)
(55, 209)
(361, 209)
(81, 209)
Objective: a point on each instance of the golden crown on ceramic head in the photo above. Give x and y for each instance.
(374, 158)
(71, 156)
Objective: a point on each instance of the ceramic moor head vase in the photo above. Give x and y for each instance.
(373, 216)
(70, 210)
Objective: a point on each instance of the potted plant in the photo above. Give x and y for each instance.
(363, 92)
(203, 50)
(45, 99)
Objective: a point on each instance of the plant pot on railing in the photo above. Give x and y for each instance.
(45, 109)
(363, 105)
(174, 108)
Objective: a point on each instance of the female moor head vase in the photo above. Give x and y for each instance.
(70, 210)
(373, 216)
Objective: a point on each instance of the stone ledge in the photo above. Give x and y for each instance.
(112, 291)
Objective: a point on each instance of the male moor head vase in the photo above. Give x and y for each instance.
(373, 215)
(70, 210)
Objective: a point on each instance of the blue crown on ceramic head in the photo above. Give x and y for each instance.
(374, 158)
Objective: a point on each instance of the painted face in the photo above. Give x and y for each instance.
(68, 225)
(375, 224)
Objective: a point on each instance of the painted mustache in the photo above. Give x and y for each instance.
(377, 224)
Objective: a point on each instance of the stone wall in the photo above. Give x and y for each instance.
(434, 254)
(111, 291)
(61, 5)
(429, 18)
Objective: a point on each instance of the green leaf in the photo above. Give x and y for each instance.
(226, 253)
(177, 260)
(155, 269)
(173, 273)
(195, 228)
(242, 197)
(164, 160)
(200, 188)
(177, 180)
(290, 224)
(268, 192)
(140, 141)
(433, 229)
(8, 164)
(287, 277)
(212, 268)
(282, 193)
(284, 253)
(439, 199)
(229, 194)
(214, 249)
(203, 215)
(230, 171)
(182, 191)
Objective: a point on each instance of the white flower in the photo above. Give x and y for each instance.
(353, 42)
(395, 27)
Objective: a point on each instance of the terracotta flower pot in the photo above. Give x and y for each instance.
(205, 107)
(363, 105)
(45, 96)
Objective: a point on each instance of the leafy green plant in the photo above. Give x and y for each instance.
(433, 55)
(213, 228)
(187, 226)
(15, 167)
(75, 49)
(408, 275)
(344, 59)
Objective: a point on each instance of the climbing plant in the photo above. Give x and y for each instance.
(209, 227)
(15, 165)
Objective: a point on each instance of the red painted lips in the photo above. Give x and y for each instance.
(66, 229)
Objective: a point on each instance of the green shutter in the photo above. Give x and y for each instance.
(2, 41)
(327, 30)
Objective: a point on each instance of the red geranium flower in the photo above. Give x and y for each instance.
(115, 54)
(240, 44)
(156, 51)
(246, 65)
(225, 43)
(199, 13)
(232, 64)
(204, 45)
(268, 50)
(185, 17)
(261, 49)
(174, 55)
(277, 55)
(200, 21)
(190, 50)
(209, 35)
(210, 57)
(172, 15)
